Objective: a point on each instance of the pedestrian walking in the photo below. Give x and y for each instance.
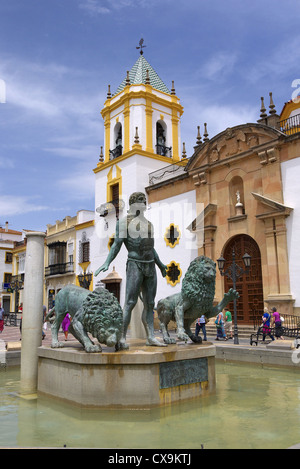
(220, 327)
(65, 325)
(2, 312)
(228, 324)
(266, 324)
(278, 324)
(200, 325)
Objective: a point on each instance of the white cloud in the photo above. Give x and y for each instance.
(219, 65)
(78, 185)
(102, 7)
(83, 152)
(11, 205)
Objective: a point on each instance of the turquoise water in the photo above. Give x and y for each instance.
(254, 407)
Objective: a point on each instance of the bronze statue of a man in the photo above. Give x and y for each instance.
(136, 232)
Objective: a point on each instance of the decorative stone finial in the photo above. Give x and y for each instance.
(183, 151)
(199, 140)
(136, 137)
(272, 105)
(263, 109)
(108, 92)
(205, 134)
(127, 78)
(101, 158)
(173, 88)
(147, 78)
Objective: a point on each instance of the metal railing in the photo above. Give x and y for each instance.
(56, 269)
(291, 125)
(290, 321)
(165, 173)
(163, 150)
(116, 152)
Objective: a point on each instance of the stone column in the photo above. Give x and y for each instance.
(32, 317)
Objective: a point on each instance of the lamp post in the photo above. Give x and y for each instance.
(234, 271)
(85, 280)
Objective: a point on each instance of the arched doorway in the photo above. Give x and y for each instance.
(251, 303)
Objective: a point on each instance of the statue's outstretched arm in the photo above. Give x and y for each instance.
(114, 250)
(163, 268)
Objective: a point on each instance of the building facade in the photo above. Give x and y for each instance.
(8, 239)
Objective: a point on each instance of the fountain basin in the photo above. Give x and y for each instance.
(141, 377)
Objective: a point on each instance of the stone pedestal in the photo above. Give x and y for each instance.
(32, 318)
(239, 208)
(142, 377)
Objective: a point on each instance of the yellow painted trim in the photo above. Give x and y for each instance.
(126, 99)
(166, 233)
(85, 224)
(175, 136)
(84, 265)
(164, 159)
(288, 108)
(112, 181)
(107, 138)
(109, 244)
(126, 114)
(145, 94)
(178, 280)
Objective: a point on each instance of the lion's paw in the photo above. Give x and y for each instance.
(91, 348)
(232, 294)
(169, 340)
(57, 344)
(183, 336)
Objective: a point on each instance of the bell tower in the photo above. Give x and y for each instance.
(141, 131)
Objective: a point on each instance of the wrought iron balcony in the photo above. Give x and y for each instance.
(291, 125)
(116, 152)
(59, 269)
(163, 150)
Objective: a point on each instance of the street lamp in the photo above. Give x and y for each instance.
(85, 280)
(233, 272)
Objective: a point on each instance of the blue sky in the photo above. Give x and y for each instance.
(57, 58)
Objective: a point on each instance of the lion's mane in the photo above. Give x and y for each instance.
(101, 310)
(197, 287)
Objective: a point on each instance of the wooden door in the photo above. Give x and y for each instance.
(250, 304)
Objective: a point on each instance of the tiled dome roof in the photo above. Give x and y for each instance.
(138, 74)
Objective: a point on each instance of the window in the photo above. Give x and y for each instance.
(57, 253)
(85, 251)
(161, 133)
(115, 197)
(8, 257)
(118, 148)
(7, 278)
(172, 235)
(174, 273)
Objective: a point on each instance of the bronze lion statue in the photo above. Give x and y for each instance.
(98, 313)
(196, 298)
